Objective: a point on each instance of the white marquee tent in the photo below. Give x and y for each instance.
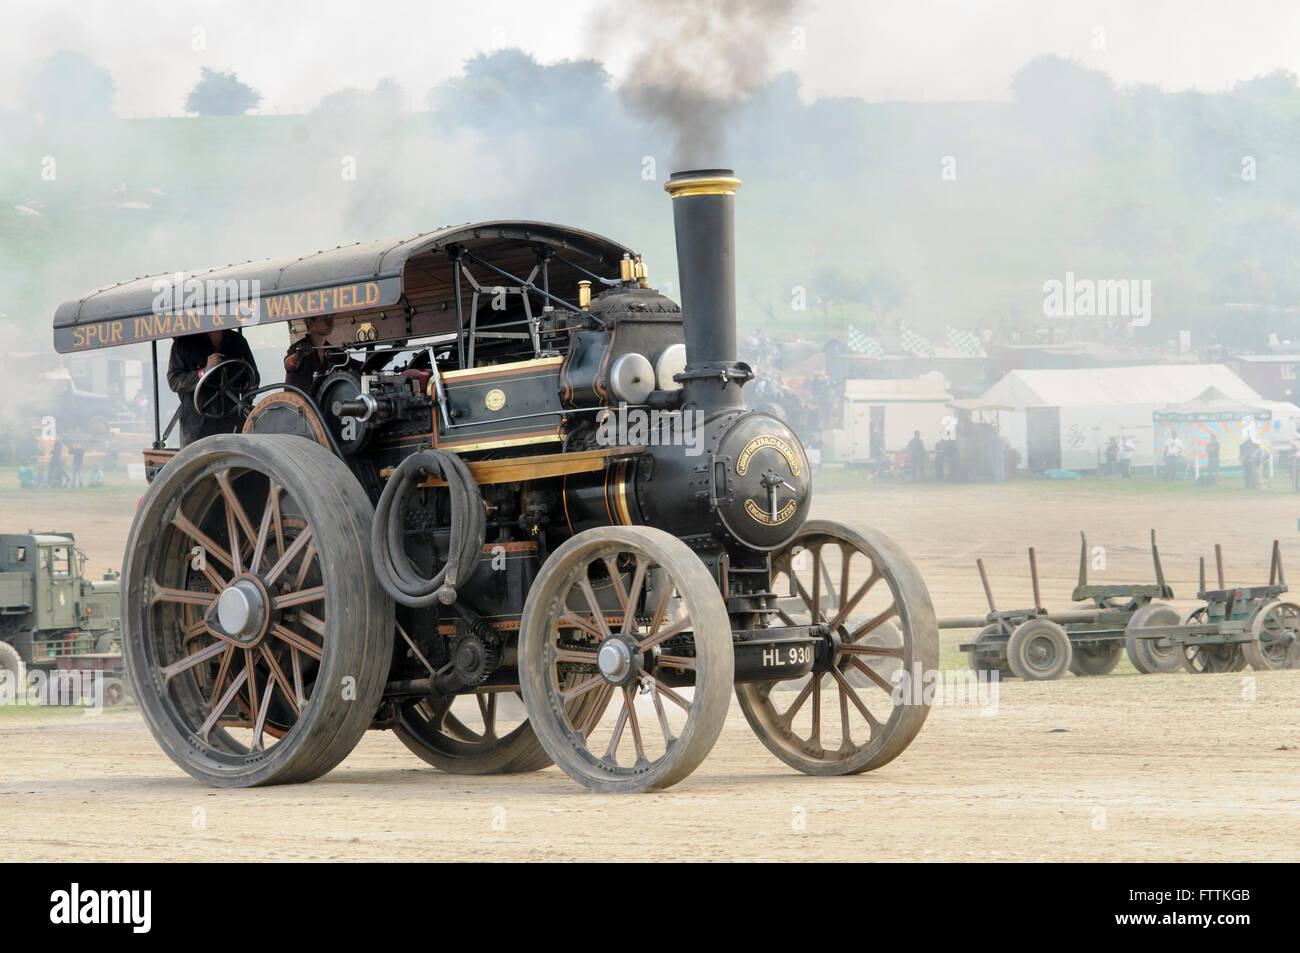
(1070, 414)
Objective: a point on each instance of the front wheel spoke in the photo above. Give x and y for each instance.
(816, 734)
(194, 630)
(634, 595)
(297, 641)
(612, 750)
(893, 651)
(253, 709)
(802, 697)
(187, 597)
(785, 617)
(596, 612)
(299, 598)
(671, 695)
(573, 655)
(570, 621)
(487, 707)
(222, 703)
(315, 623)
(845, 743)
(210, 546)
(847, 608)
(233, 506)
(283, 562)
(616, 580)
(308, 558)
(277, 674)
(847, 690)
(202, 655)
(629, 701)
(297, 677)
(582, 688)
(259, 725)
(807, 599)
(662, 715)
(874, 622)
(872, 674)
(264, 530)
(597, 710)
(678, 627)
(678, 661)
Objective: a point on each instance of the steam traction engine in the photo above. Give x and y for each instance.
(515, 522)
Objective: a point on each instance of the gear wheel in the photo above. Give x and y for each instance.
(476, 653)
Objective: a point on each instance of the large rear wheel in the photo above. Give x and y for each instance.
(256, 636)
(851, 717)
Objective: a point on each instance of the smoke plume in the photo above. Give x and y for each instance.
(692, 63)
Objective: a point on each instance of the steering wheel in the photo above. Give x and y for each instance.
(222, 388)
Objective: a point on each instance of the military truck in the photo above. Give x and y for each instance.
(52, 617)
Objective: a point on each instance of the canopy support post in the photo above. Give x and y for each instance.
(157, 424)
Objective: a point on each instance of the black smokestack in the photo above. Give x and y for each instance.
(704, 221)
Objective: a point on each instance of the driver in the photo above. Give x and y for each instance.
(192, 356)
(311, 356)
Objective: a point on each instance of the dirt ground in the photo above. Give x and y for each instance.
(1125, 767)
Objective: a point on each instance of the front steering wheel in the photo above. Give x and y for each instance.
(222, 388)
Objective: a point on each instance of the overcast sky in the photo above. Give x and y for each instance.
(295, 52)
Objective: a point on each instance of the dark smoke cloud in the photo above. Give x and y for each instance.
(692, 63)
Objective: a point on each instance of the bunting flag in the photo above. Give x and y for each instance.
(864, 344)
(967, 342)
(913, 343)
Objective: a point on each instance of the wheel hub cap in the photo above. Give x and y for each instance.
(241, 610)
(614, 660)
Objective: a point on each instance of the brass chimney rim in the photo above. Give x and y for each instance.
(712, 182)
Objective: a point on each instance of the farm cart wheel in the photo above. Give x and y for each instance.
(1038, 651)
(1095, 658)
(114, 693)
(880, 613)
(13, 674)
(1210, 658)
(980, 661)
(617, 613)
(1147, 655)
(251, 610)
(1277, 637)
(478, 733)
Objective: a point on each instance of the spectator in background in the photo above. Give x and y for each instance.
(1125, 458)
(1248, 456)
(96, 477)
(56, 475)
(27, 475)
(1112, 455)
(1295, 464)
(78, 453)
(1173, 456)
(998, 451)
(916, 455)
(1212, 450)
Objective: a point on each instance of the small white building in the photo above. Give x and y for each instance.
(894, 409)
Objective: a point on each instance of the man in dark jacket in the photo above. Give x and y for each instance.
(193, 355)
(311, 357)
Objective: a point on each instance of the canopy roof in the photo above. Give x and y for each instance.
(1211, 404)
(1156, 384)
(385, 282)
